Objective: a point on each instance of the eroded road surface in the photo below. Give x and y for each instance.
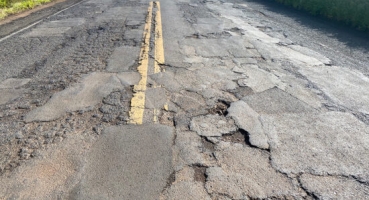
(184, 99)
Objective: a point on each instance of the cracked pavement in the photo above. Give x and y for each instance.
(249, 103)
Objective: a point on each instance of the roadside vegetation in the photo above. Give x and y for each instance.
(8, 7)
(351, 12)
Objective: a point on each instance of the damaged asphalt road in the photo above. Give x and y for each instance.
(182, 100)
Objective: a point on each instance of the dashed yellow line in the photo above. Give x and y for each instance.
(138, 100)
(159, 44)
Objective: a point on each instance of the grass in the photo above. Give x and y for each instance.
(9, 7)
(351, 12)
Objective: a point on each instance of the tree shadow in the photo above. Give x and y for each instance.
(346, 34)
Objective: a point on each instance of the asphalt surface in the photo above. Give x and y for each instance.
(344, 45)
(185, 99)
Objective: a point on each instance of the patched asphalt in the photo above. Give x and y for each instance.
(253, 101)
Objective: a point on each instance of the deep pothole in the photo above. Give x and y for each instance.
(220, 108)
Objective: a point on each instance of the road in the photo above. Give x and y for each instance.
(238, 99)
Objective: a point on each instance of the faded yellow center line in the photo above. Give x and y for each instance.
(138, 100)
(159, 44)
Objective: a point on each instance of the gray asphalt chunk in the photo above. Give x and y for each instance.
(257, 79)
(274, 101)
(123, 58)
(188, 151)
(189, 101)
(330, 187)
(333, 143)
(129, 78)
(128, 162)
(247, 119)
(80, 96)
(212, 125)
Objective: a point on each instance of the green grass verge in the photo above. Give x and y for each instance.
(351, 12)
(8, 7)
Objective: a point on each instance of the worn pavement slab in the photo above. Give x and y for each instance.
(318, 143)
(127, 162)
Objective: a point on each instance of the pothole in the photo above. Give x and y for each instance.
(115, 106)
(200, 174)
(220, 108)
(207, 144)
(237, 137)
(167, 118)
(29, 140)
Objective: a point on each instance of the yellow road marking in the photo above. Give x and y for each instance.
(138, 100)
(159, 48)
(156, 113)
(159, 44)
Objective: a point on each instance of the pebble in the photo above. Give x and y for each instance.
(221, 122)
(19, 135)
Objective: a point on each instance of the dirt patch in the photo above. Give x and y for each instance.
(167, 118)
(220, 108)
(207, 144)
(237, 137)
(200, 174)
